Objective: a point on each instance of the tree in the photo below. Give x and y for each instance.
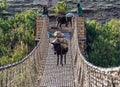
(3, 5)
(61, 8)
(103, 43)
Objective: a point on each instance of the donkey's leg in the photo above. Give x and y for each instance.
(57, 21)
(61, 59)
(60, 26)
(57, 59)
(66, 24)
(57, 24)
(65, 58)
(71, 22)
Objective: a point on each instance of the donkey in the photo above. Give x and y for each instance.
(63, 20)
(61, 50)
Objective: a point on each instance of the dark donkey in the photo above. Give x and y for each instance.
(63, 20)
(60, 51)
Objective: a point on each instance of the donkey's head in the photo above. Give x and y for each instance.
(57, 47)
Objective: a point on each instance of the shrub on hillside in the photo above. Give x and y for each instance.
(17, 36)
(103, 43)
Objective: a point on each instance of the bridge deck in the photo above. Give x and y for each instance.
(57, 76)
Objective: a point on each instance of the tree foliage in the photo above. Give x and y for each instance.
(3, 5)
(17, 36)
(103, 43)
(61, 8)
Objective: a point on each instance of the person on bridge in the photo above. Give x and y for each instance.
(79, 10)
(69, 17)
(45, 11)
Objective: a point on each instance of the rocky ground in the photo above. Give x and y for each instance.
(100, 11)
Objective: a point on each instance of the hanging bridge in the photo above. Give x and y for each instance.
(38, 69)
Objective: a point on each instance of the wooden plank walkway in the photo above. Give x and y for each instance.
(57, 76)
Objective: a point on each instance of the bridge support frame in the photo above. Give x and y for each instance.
(81, 34)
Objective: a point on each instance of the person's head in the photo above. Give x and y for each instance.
(45, 7)
(78, 5)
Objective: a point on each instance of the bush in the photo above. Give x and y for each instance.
(61, 8)
(17, 36)
(103, 46)
(3, 5)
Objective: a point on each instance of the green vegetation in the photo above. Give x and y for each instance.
(61, 8)
(17, 36)
(3, 5)
(103, 43)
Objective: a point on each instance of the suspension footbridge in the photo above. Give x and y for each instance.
(38, 69)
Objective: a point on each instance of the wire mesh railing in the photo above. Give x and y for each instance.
(88, 75)
(24, 72)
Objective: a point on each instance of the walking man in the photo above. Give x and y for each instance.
(79, 10)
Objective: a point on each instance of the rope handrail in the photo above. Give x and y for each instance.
(24, 72)
(99, 68)
(22, 60)
(88, 75)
